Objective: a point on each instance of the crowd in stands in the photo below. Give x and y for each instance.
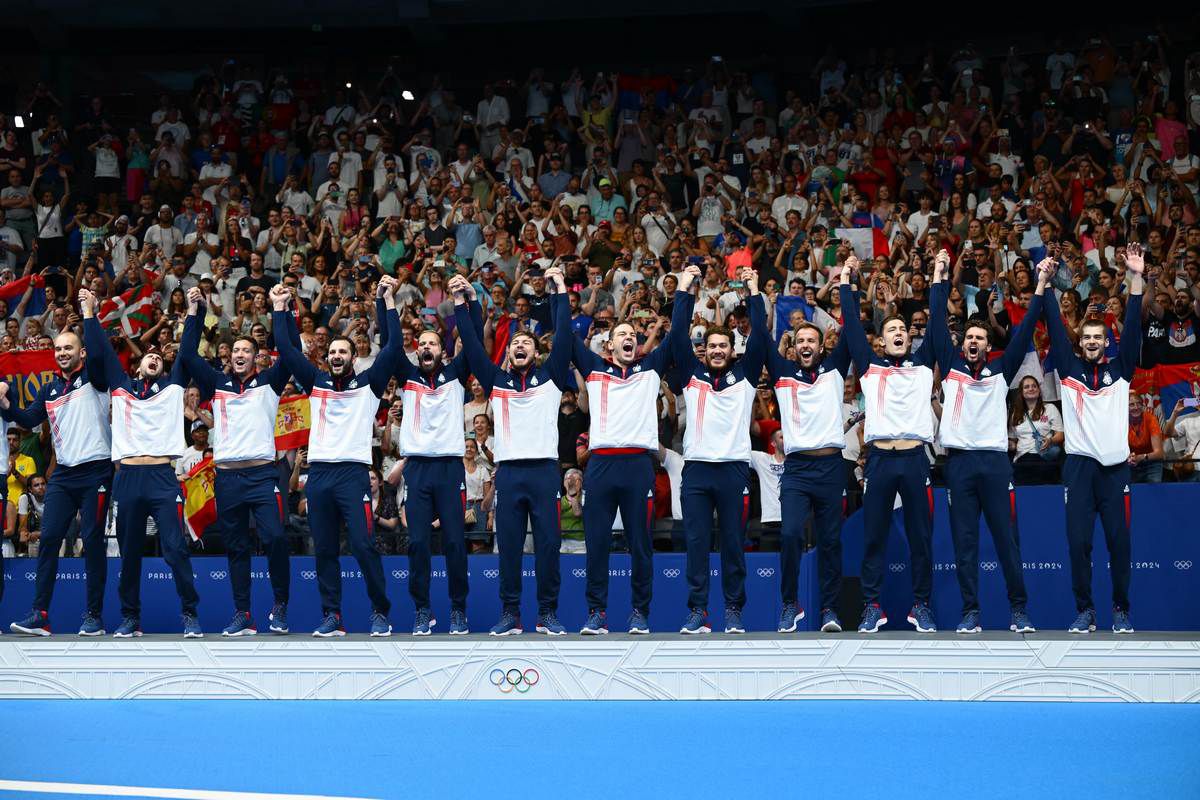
(622, 179)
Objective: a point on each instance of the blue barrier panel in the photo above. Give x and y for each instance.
(1166, 560)
(160, 604)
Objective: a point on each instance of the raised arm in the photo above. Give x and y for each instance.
(558, 363)
(681, 322)
(29, 417)
(293, 359)
(758, 344)
(103, 368)
(938, 329)
(389, 357)
(1018, 343)
(481, 366)
(852, 329)
(1130, 347)
(1060, 343)
(201, 371)
(777, 365)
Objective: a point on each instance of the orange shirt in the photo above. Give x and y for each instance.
(1139, 435)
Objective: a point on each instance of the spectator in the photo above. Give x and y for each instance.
(1035, 435)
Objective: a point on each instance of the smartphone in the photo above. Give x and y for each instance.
(697, 260)
(428, 310)
(1191, 402)
(641, 314)
(737, 284)
(364, 259)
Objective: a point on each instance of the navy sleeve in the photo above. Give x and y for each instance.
(290, 356)
(478, 362)
(1018, 343)
(757, 347)
(938, 329)
(558, 363)
(680, 336)
(853, 333)
(1061, 349)
(190, 339)
(387, 360)
(776, 363)
(32, 415)
(587, 361)
(381, 316)
(201, 372)
(103, 369)
(839, 359)
(1130, 348)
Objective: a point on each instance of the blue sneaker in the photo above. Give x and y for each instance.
(509, 625)
(1121, 623)
(638, 624)
(191, 627)
(1085, 622)
(423, 622)
(241, 625)
(277, 619)
(969, 623)
(1021, 623)
(921, 618)
(597, 623)
(872, 619)
(547, 623)
(830, 622)
(91, 625)
(458, 622)
(36, 624)
(788, 618)
(696, 622)
(380, 625)
(129, 628)
(733, 621)
(330, 626)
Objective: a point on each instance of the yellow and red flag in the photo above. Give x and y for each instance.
(292, 422)
(199, 498)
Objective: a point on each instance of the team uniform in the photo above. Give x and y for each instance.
(342, 410)
(432, 443)
(810, 414)
(244, 430)
(77, 411)
(716, 469)
(525, 406)
(623, 437)
(146, 421)
(974, 433)
(897, 393)
(1095, 407)
(3, 494)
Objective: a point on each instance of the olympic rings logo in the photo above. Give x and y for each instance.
(400, 574)
(513, 679)
(308, 574)
(579, 573)
(897, 566)
(766, 572)
(218, 575)
(989, 566)
(491, 573)
(31, 576)
(671, 573)
(1183, 565)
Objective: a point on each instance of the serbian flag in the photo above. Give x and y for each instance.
(14, 289)
(199, 498)
(131, 310)
(1176, 382)
(292, 422)
(866, 242)
(27, 370)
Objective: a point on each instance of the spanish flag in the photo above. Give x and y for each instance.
(200, 500)
(292, 422)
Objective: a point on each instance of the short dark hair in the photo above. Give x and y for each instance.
(718, 330)
(981, 325)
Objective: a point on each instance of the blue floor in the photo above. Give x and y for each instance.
(563, 750)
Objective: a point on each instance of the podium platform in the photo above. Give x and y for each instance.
(1143, 668)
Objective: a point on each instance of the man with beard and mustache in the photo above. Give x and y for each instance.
(719, 398)
(974, 432)
(1095, 394)
(810, 393)
(342, 407)
(147, 433)
(79, 428)
(244, 405)
(623, 441)
(432, 442)
(525, 399)
(897, 386)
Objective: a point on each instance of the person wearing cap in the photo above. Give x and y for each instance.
(718, 397)
(146, 436)
(608, 202)
(120, 244)
(163, 234)
(552, 181)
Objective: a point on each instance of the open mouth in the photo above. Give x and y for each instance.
(972, 352)
(627, 348)
(898, 342)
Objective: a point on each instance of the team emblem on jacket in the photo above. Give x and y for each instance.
(986, 372)
(637, 367)
(1107, 379)
(441, 378)
(906, 363)
(154, 387)
(53, 392)
(353, 384)
(730, 379)
(78, 382)
(533, 381)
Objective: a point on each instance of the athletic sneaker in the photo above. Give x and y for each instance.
(788, 618)
(509, 625)
(330, 626)
(1085, 622)
(547, 623)
(733, 621)
(129, 628)
(241, 625)
(696, 622)
(872, 619)
(458, 622)
(380, 625)
(830, 622)
(638, 624)
(970, 623)
(277, 619)
(597, 623)
(91, 625)
(36, 624)
(423, 622)
(921, 618)
(1121, 623)
(1021, 623)
(191, 627)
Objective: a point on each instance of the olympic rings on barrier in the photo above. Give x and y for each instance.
(514, 679)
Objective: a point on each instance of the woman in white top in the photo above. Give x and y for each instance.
(1035, 435)
(478, 483)
(52, 245)
(478, 404)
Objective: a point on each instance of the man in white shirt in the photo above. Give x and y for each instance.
(658, 222)
(349, 162)
(214, 177)
(120, 244)
(11, 246)
(194, 454)
(331, 195)
(340, 114)
(295, 197)
(164, 235)
(201, 246)
(423, 158)
(175, 126)
(490, 114)
(792, 199)
(983, 211)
